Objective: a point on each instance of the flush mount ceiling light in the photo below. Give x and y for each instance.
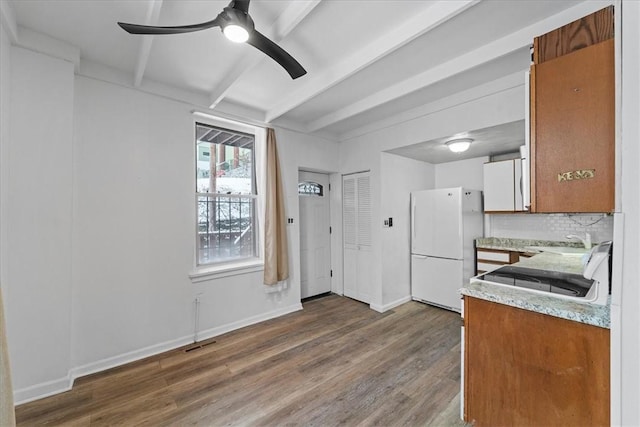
(459, 145)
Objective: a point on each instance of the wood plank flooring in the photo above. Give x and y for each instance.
(335, 362)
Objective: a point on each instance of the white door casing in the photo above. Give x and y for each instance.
(315, 239)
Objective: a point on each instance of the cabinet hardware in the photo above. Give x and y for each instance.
(575, 175)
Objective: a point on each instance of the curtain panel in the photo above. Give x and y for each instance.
(276, 253)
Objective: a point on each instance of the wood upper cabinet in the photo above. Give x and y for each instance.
(587, 31)
(523, 368)
(573, 123)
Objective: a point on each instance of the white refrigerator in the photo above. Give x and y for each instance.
(444, 224)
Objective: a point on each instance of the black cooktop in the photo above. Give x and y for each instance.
(541, 280)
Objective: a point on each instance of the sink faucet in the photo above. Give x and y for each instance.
(586, 241)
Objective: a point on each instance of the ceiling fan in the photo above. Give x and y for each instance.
(237, 25)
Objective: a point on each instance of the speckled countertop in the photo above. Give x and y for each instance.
(553, 262)
(520, 245)
(591, 314)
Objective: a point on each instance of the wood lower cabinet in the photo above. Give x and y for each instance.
(523, 368)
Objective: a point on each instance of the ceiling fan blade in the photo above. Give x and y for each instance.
(278, 54)
(147, 29)
(241, 5)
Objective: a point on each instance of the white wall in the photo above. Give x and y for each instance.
(462, 173)
(134, 216)
(399, 177)
(360, 156)
(5, 122)
(301, 151)
(100, 214)
(625, 310)
(483, 107)
(38, 224)
(136, 261)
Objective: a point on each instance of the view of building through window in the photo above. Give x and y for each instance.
(226, 195)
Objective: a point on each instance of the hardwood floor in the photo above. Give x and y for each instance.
(335, 362)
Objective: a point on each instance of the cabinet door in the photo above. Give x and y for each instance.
(573, 131)
(499, 188)
(526, 368)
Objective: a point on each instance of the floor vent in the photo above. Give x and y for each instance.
(199, 345)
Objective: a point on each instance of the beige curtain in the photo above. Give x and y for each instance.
(276, 256)
(7, 413)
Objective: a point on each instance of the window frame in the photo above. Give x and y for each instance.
(254, 263)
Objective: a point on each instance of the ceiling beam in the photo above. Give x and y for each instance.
(421, 23)
(466, 62)
(153, 14)
(286, 22)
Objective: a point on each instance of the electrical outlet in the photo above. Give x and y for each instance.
(385, 223)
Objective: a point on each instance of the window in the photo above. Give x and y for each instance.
(226, 195)
(310, 188)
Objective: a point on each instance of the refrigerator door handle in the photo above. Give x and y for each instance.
(413, 220)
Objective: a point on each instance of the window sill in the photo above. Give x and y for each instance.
(204, 274)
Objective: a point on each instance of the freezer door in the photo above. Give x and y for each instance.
(436, 281)
(437, 223)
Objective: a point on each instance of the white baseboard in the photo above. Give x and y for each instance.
(50, 388)
(394, 304)
(39, 391)
(132, 356)
(214, 332)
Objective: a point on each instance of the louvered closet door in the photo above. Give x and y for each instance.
(356, 215)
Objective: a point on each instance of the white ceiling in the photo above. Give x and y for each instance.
(367, 61)
(492, 141)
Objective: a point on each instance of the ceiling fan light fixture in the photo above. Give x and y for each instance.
(238, 26)
(236, 33)
(459, 145)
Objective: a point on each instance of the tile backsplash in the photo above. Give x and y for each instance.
(549, 226)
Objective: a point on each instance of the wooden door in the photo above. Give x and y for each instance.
(573, 138)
